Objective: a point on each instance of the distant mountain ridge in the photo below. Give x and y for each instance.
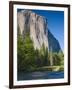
(36, 25)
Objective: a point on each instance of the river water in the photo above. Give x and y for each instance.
(40, 75)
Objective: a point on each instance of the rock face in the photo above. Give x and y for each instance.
(53, 43)
(36, 25)
(28, 21)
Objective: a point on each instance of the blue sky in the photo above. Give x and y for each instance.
(55, 23)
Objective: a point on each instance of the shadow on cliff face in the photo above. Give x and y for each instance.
(53, 42)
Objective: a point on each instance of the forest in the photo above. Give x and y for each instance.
(29, 59)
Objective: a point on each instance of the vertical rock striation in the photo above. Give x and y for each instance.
(37, 27)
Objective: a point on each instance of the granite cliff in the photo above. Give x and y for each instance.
(37, 27)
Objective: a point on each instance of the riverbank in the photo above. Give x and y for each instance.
(45, 68)
(50, 68)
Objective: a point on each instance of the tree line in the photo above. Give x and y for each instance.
(28, 58)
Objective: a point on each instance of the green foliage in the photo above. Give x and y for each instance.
(58, 58)
(61, 56)
(26, 53)
(29, 59)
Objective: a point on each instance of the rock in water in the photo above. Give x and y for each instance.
(37, 27)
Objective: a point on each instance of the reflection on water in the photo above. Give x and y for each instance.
(40, 75)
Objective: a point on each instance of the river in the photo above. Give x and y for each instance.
(40, 75)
